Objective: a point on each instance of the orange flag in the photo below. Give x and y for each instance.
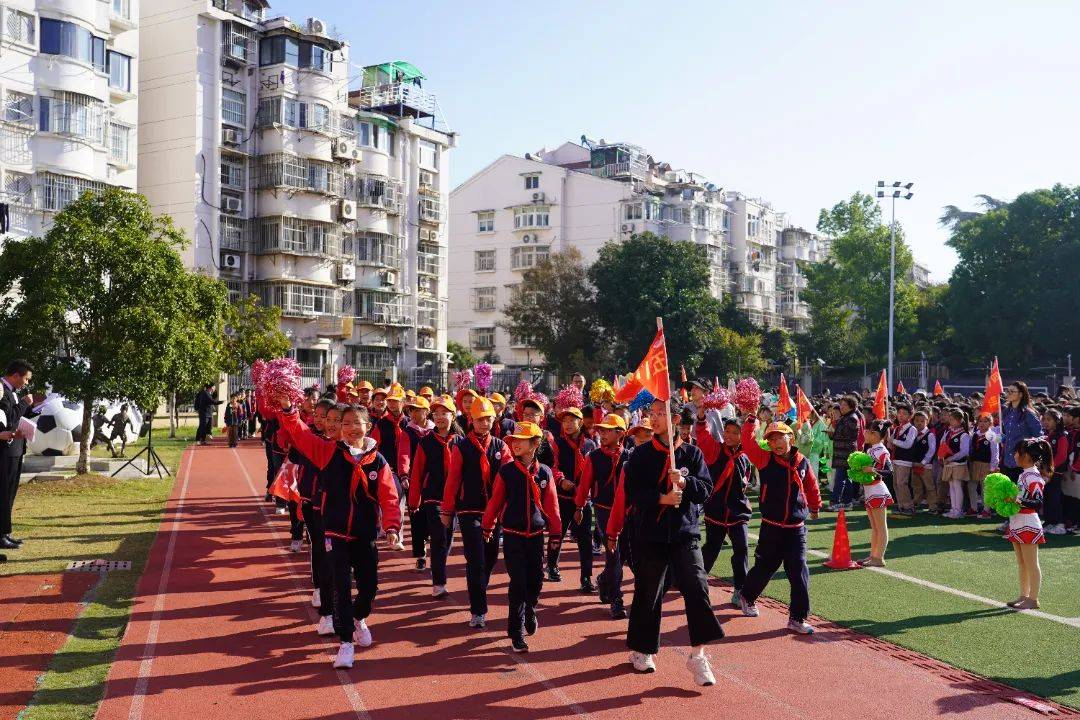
(900, 388)
(992, 399)
(880, 413)
(783, 403)
(802, 406)
(937, 388)
(651, 374)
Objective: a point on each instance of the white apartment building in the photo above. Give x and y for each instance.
(798, 248)
(323, 199)
(68, 81)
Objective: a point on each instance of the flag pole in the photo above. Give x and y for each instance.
(667, 403)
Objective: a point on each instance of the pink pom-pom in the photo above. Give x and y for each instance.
(539, 398)
(522, 391)
(716, 400)
(282, 377)
(346, 374)
(570, 396)
(258, 368)
(482, 374)
(747, 395)
(463, 379)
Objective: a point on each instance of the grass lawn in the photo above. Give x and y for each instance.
(87, 517)
(1027, 652)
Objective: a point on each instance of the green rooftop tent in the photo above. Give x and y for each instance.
(391, 72)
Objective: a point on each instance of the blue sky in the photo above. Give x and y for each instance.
(800, 103)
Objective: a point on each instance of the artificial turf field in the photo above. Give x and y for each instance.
(1031, 653)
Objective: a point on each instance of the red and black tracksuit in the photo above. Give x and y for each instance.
(427, 480)
(1053, 509)
(667, 542)
(474, 462)
(600, 476)
(727, 511)
(356, 485)
(408, 441)
(789, 494)
(569, 461)
(389, 432)
(523, 499)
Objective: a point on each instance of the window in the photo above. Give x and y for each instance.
(293, 52)
(484, 261)
(753, 225)
(486, 222)
(119, 143)
(525, 257)
(119, 66)
(532, 182)
(72, 114)
(18, 108)
(531, 216)
(632, 212)
(701, 216)
(483, 298)
(373, 248)
(298, 236)
(233, 233)
(482, 338)
(122, 9)
(17, 187)
(364, 137)
(74, 41)
(234, 107)
(59, 191)
(233, 173)
(18, 26)
(429, 154)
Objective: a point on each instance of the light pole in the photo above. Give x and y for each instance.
(899, 189)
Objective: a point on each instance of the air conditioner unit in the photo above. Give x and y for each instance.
(231, 136)
(388, 278)
(346, 272)
(538, 197)
(232, 204)
(629, 227)
(526, 238)
(316, 26)
(426, 179)
(230, 261)
(347, 210)
(345, 150)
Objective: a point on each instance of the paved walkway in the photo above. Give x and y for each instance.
(222, 627)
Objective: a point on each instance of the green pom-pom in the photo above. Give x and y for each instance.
(999, 494)
(763, 444)
(859, 460)
(863, 477)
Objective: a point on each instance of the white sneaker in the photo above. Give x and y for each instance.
(362, 636)
(296, 546)
(325, 626)
(800, 626)
(477, 621)
(399, 545)
(1057, 529)
(748, 609)
(316, 599)
(345, 655)
(954, 515)
(282, 511)
(438, 591)
(698, 665)
(642, 663)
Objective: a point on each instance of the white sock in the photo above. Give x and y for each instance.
(698, 651)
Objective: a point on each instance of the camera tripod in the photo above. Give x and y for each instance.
(153, 460)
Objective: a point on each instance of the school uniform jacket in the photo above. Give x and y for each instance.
(430, 466)
(474, 461)
(984, 449)
(730, 469)
(570, 456)
(955, 445)
(307, 475)
(523, 499)
(646, 479)
(599, 477)
(789, 489)
(389, 432)
(408, 441)
(503, 426)
(354, 487)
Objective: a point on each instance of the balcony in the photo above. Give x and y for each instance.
(797, 310)
(427, 314)
(622, 170)
(234, 233)
(379, 250)
(382, 308)
(120, 16)
(428, 263)
(298, 236)
(431, 210)
(402, 99)
(296, 300)
(379, 192)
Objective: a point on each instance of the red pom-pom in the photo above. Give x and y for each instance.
(747, 395)
(570, 396)
(716, 400)
(346, 375)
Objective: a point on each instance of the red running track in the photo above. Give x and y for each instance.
(222, 627)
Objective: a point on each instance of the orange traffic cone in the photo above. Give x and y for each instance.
(841, 547)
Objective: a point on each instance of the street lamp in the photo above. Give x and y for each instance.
(902, 190)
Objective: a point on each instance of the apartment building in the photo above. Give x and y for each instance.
(68, 84)
(324, 199)
(798, 248)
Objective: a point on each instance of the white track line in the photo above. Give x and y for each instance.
(1071, 622)
(346, 682)
(551, 687)
(138, 697)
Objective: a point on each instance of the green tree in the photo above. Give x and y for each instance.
(733, 354)
(778, 346)
(554, 311)
(735, 319)
(252, 333)
(460, 356)
(97, 302)
(1012, 292)
(647, 277)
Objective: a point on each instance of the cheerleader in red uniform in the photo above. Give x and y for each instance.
(1025, 532)
(876, 495)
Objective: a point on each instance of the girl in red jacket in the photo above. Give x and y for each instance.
(356, 484)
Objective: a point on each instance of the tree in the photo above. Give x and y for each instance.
(96, 304)
(646, 277)
(460, 356)
(778, 347)
(733, 354)
(554, 311)
(735, 319)
(1012, 292)
(952, 216)
(252, 333)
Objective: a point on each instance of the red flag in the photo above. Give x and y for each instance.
(880, 413)
(802, 406)
(682, 378)
(900, 390)
(937, 388)
(651, 374)
(783, 403)
(992, 399)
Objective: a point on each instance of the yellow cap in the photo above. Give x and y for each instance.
(612, 422)
(497, 398)
(576, 412)
(396, 394)
(526, 431)
(418, 401)
(481, 407)
(427, 392)
(364, 385)
(778, 427)
(644, 424)
(446, 402)
(410, 394)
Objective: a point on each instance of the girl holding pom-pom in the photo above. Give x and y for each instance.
(1035, 459)
(876, 495)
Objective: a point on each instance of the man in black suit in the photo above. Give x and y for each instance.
(205, 407)
(12, 443)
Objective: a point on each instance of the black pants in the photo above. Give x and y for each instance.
(778, 546)
(320, 570)
(296, 525)
(582, 535)
(251, 425)
(524, 557)
(361, 557)
(419, 527)
(610, 580)
(653, 565)
(206, 423)
(1053, 510)
(714, 541)
(480, 558)
(441, 540)
(10, 470)
(273, 464)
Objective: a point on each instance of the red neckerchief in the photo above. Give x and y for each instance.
(614, 455)
(664, 481)
(729, 469)
(530, 480)
(485, 464)
(944, 450)
(358, 469)
(576, 446)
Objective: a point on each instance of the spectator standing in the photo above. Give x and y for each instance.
(1019, 421)
(12, 443)
(205, 407)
